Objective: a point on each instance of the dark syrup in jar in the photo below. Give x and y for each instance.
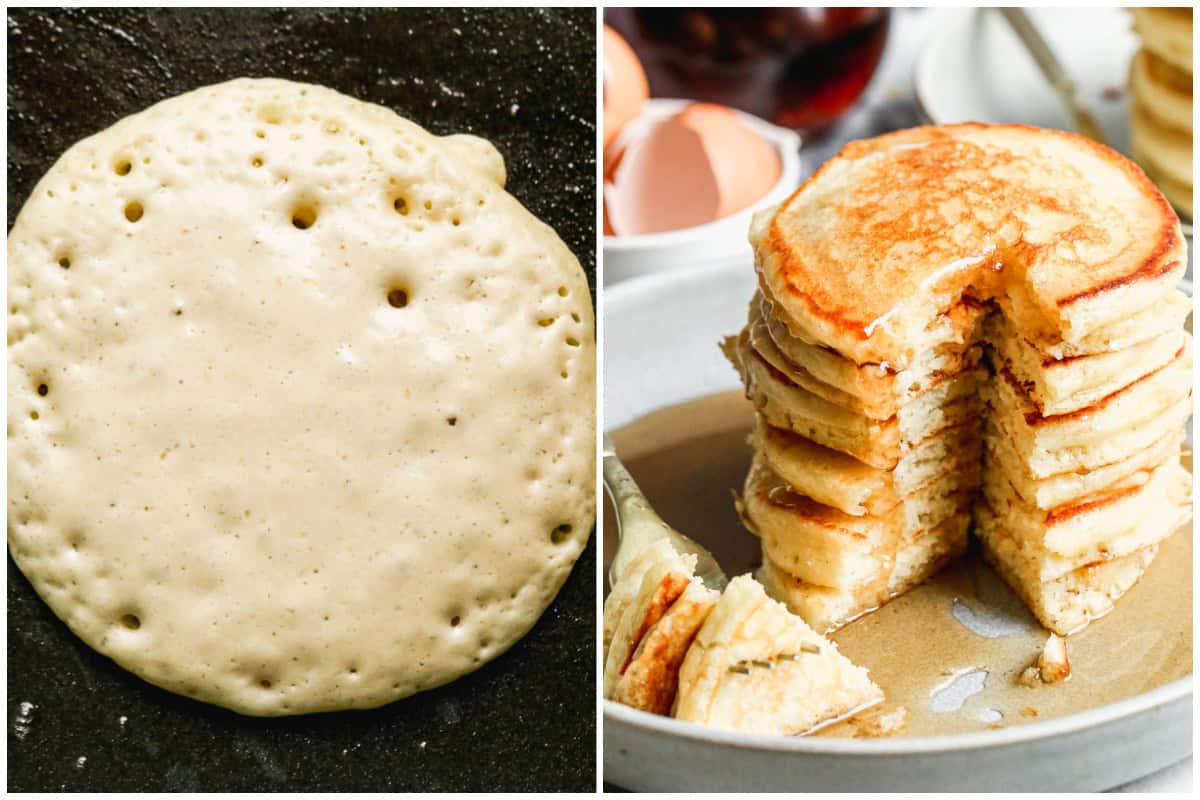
(801, 68)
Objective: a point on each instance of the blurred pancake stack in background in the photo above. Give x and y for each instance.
(1161, 111)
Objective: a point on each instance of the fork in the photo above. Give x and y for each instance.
(638, 525)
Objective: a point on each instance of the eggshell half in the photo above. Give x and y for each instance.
(693, 167)
(625, 86)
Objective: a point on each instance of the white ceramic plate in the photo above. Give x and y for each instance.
(974, 68)
(661, 335)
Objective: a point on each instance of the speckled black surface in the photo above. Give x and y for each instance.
(524, 79)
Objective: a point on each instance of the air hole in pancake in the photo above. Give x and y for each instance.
(429, 205)
(564, 374)
(131, 622)
(546, 322)
(451, 421)
(43, 389)
(560, 533)
(272, 115)
(574, 316)
(456, 221)
(562, 291)
(123, 166)
(134, 211)
(265, 683)
(34, 415)
(572, 341)
(261, 134)
(397, 297)
(304, 216)
(64, 261)
(455, 620)
(332, 127)
(257, 161)
(401, 206)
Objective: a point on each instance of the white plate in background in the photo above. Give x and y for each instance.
(974, 68)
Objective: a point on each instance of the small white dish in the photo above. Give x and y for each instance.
(630, 256)
(661, 335)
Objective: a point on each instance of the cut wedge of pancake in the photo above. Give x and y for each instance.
(757, 668)
(651, 678)
(827, 608)
(653, 591)
(894, 231)
(628, 584)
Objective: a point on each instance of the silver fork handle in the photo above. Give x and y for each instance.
(638, 524)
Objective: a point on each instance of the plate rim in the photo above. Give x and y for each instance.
(1169, 693)
(943, 19)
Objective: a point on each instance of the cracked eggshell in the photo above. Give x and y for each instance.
(698, 165)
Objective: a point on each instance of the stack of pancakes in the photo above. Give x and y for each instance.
(1161, 112)
(957, 323)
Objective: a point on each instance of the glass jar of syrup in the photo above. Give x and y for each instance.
(801, 68)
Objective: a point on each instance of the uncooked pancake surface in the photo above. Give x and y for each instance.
(301, 402)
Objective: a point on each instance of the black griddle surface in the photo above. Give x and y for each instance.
(525, 80)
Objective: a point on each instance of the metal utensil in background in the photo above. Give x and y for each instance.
(1057, 75)
(638, 525)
